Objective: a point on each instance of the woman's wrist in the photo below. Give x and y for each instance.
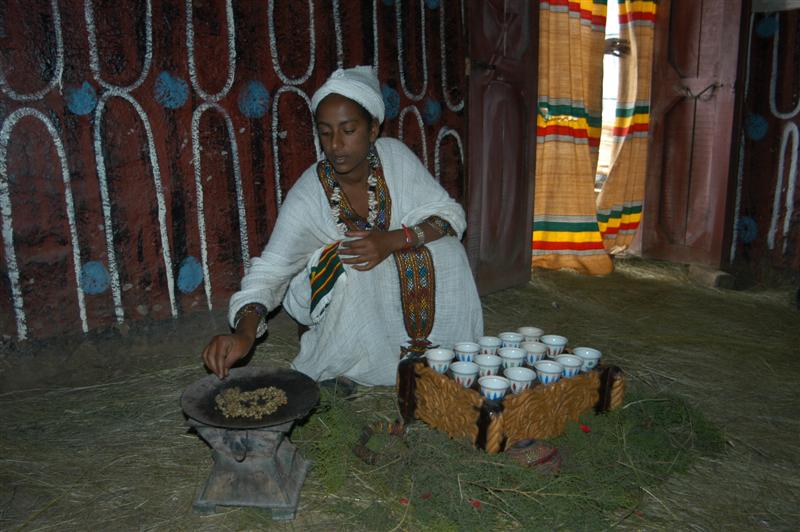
(408, 239)
(247, 327)
(248, 319)
(419, 233)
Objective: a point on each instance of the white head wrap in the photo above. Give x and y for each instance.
(360, 84)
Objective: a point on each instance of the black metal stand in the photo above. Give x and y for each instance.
(252, 467)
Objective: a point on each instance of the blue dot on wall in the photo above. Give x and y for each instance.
(432, 4)
(171, 92)
(432, 112)
(391, 99)
(81, 100)
(94, 278)
(254, 100)
(756, 126)
(767, 26)
(190, 275)
(748, 230)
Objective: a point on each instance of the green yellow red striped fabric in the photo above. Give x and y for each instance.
(324, 275)
(577, 235)
(637, 12)
(565, 231)
(620, 219)
(568, 120)
(619, 204)
(590, 12)
(632, 120)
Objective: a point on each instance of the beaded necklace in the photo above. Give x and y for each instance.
(372, 202)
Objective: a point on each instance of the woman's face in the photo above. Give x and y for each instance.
(346, 134)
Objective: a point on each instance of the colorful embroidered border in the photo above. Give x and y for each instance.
(347, 215)
(441, 226)
(324, 274)
(573, 235)
(417, 293)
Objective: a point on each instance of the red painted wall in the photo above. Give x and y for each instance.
(767, 225)
(83, 91)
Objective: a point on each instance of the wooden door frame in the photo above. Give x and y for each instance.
(729, 149)
(488, 280)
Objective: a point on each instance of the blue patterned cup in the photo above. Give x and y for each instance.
(464, 373)
(510, 339)
(493, 388)
(439, 359)
(489, 344)
(548, 371)
(572, 364)
(531, 334)
(488, 364)
(534, 352)
(555, 344)
(466, 351)
(590, 356)
(520, 378)
(512, 356)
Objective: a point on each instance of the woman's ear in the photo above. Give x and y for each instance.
(374, 129)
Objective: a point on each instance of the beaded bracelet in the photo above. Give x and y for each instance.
(249, 309)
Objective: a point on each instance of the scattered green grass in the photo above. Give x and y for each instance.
(430, 481)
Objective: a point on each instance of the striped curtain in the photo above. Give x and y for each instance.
(619, 205)
(566, 233)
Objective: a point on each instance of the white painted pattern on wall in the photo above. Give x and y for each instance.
(790, 133)
(273, 46)
(58, 69)
(401, 122)
(282, 134)
(231, 26)
(398, 11)
(210, 101)
(94, 54)
(453, 106)
(237, 176)
(106, 201)
(773, 81)
(789, 145)
(5, 212)
(445, 131)
(375, 41)
(337, 31)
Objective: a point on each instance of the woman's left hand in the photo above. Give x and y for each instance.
(370, 248)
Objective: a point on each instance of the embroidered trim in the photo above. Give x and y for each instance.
(441, 225)
(417, 293)
(380, 203)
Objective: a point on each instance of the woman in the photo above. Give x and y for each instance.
(365, 252)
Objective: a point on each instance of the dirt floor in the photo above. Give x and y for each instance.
(93, 436)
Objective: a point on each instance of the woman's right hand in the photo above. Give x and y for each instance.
(224, 350)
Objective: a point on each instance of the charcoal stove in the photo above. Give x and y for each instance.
(255, 464)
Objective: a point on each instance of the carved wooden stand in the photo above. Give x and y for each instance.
(540, 412)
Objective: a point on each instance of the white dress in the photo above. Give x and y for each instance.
(361, 331)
